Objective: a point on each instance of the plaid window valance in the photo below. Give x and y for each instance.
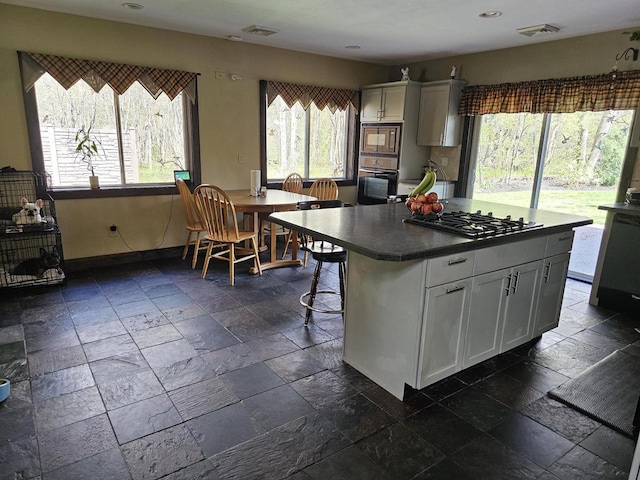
(334, 98)
(67, 71)
(611, 91)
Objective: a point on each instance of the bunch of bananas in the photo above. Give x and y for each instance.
(426, 184)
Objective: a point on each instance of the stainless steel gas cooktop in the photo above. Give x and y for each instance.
(473, 225)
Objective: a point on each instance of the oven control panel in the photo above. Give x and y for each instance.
(382, 163)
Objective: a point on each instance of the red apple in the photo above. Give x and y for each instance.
(409, 201)
(426, 208)
(432, 197)
(422, 198)
(416, 206)
(436, 207)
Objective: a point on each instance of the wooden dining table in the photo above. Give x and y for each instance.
(273, 201)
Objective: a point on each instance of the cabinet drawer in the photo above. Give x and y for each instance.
(450, 268)
(559, 243)
(509, 254)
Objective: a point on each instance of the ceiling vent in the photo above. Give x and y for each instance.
(260, 31)
(537, 30)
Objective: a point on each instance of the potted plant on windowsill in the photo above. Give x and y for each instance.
(86, 149)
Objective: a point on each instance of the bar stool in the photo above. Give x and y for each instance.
(322, 252)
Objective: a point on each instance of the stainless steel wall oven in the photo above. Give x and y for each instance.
(378, 163)
(375, 186)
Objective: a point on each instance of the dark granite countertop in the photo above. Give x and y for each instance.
(621, 208)
(378, 231)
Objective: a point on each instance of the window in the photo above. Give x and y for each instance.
(147, 148)
(315, 142)
(137, 133)
(506, 156)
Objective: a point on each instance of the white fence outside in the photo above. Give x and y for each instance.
(66, 168)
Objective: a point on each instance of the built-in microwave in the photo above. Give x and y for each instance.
(380, 139)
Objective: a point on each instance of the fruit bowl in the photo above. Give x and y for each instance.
(425, 206)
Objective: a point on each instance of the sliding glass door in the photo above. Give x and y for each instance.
(506, 157)
(569, 162)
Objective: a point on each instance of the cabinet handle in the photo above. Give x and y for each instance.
(547, 274)
(562, 239)
(454, 289)
(456, 261)
(515, 283)
(508, 289)
(442, 139)
(635, 297)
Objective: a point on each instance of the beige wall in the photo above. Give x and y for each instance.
(586, 55)
(229, 120)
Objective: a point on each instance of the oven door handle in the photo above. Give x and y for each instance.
(378, 172)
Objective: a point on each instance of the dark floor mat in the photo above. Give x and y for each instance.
(607, 391)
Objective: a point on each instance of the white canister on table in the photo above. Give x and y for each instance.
(255, 183)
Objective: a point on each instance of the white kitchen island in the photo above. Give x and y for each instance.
(422, 305)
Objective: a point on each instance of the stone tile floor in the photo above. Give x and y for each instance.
(146, 371)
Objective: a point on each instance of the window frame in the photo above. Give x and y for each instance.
(192, 147)
(352, 143)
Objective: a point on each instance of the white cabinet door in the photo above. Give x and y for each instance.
(444, 324)
(521, 305)
(393, 103)
(554, 275)
(384, 104)
(371, 109)
(486, 316)
(434, 106)
(439, 123)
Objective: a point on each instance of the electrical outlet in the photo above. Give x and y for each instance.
(444, 161)
(113, 231)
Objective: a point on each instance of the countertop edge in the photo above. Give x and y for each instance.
(621, 208)
(436, 251)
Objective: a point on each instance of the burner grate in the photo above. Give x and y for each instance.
(472, 225)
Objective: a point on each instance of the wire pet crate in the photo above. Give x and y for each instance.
(30, 254)
(31, 258)
(32, 186)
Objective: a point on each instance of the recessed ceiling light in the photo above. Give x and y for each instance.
(491, 14)
(132, 6)
(353, 47)
(235, 38)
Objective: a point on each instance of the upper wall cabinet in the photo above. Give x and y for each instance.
(439, 123)
(386, 102)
